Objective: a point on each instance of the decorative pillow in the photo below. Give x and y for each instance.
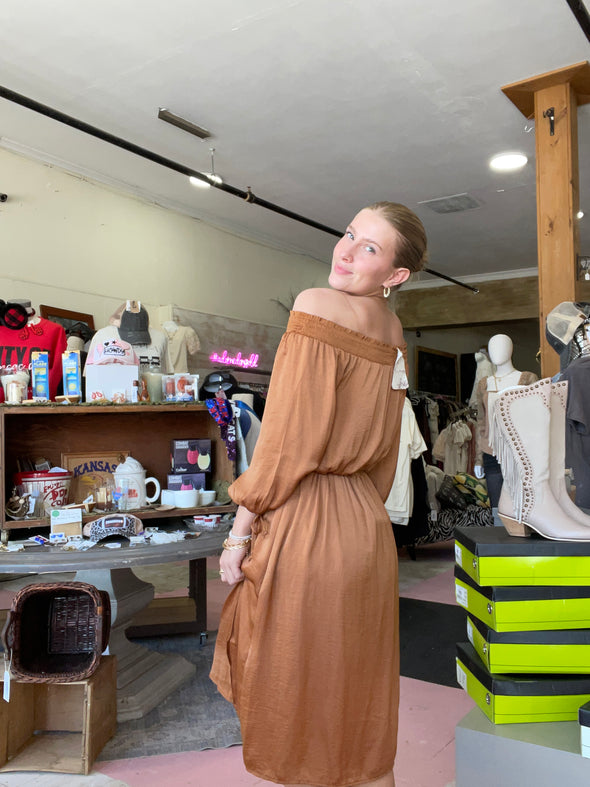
(474, 490)
(449, 496)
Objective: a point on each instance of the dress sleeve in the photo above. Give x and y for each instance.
(296, 426)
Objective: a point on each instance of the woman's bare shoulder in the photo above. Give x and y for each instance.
(320, 301)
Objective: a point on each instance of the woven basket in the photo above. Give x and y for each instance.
(57, 631)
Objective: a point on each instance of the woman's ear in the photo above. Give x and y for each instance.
(398, 276)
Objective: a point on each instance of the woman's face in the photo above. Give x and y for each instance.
(363, 259)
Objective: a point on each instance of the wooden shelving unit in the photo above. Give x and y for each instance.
(145, 430)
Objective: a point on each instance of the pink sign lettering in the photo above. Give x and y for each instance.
(235, 360)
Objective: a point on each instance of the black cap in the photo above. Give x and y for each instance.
(134, 327)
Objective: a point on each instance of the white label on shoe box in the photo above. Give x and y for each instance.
(458, 555)
(461, 677)
(470, 631)
(461, 595)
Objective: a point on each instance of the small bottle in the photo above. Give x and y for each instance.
(170, 389)
(143, 394)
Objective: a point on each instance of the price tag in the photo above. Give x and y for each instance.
(7, 666)
(461, 595)
(470, 631)
(461, 677)
(458, 555)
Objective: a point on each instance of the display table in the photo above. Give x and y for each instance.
(144, 677)
(513, 755)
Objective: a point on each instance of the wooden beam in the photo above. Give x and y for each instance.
(557, 94)
(522, 94)
(446, 306)
(557, 205)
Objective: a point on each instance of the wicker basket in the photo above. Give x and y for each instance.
(57, 631)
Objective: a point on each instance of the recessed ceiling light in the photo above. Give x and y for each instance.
(200, 184)
(504, 162)
(580, 214)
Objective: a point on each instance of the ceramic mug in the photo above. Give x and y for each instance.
(186, 498)
(167, 498)
(208, 497)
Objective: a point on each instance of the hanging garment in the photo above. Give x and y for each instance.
(400, 501)
(433, 413)
(577, 436)
(452, 447)
(419, 523)
(182, 342)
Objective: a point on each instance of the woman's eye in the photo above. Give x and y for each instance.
(349, 235)
(370, 249)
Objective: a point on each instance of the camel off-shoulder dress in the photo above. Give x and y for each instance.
(307, 648)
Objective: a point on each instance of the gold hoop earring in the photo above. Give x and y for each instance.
(386, 291)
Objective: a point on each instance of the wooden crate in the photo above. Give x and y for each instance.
(59, 727)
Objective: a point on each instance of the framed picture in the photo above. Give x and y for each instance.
(436, 372)
(91, 471)
(66, 317)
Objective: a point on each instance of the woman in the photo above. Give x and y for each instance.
(307, 648)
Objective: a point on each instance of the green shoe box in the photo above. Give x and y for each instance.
(521, 699)
(493, 558)
(554, 652)
(524, 608)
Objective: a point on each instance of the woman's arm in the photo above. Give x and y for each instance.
(230, 562)
(243, 522)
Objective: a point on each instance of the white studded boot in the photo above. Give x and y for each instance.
(522, 437)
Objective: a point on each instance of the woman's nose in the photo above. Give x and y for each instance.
(346, 251)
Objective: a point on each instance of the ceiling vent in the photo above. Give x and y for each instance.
(453, 204)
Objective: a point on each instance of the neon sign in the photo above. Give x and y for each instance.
(235, 360)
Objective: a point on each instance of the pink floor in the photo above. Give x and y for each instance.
(440, 588)
(426, 748)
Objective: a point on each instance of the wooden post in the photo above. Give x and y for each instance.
(553, 99)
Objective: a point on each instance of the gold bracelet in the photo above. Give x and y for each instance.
(227, 545)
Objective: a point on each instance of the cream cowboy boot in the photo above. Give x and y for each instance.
(522, 434)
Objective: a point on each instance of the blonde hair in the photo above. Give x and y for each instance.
(412, 252)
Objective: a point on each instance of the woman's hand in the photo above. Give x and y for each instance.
(230, 564)
(231, 559)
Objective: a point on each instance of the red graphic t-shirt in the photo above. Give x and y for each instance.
(39, 334)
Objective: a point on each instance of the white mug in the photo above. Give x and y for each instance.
(168, 497)
(186, 498)
(208, 497)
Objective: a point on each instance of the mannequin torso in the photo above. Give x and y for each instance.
(500, 349)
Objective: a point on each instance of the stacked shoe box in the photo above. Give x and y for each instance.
(528, 625)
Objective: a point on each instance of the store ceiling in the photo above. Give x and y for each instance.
(320, 106)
